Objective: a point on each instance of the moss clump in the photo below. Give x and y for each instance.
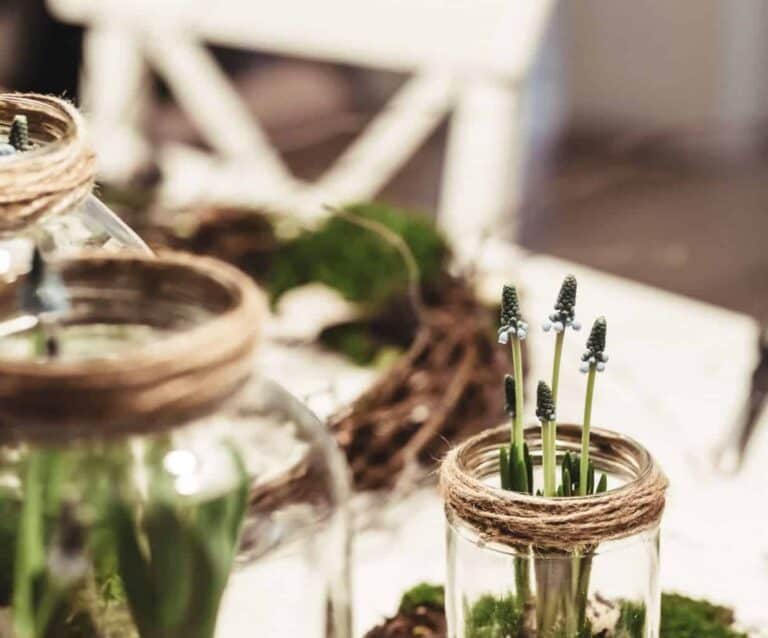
(363, 344)
(422, 595)
(631, 620)
(683, 617)
(357, 262)
(492, 617)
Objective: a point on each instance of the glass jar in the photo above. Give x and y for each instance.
(152, 485)
(498, 588)
(46, 184)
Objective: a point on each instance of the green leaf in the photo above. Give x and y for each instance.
(590, 478)
(10, 515)
(170, 568)
(134, 569)
(565, 466)
(602, 486)
(504, 468)
(576, 472)
(528, 467)
(29, 562)
(566, 482)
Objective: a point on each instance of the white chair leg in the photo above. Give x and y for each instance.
(114, 108)
(480, 185)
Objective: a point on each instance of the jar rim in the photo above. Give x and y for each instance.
(554, 523)
(163, 382)
(602, 441)
(50, 179)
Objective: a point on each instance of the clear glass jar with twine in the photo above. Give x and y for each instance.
(152, 484)
(47, 174)
(529, 566)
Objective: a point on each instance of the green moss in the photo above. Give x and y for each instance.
(423, 594)
(683, 617)
(492, 617)
(631, 620)
(357, 262)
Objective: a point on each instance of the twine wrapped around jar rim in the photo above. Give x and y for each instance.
(567, 524)
(51, 178)
(213, 310)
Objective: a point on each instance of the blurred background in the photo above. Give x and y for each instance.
(644, 131)
(602, 137)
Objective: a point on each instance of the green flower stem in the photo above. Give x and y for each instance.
(559, 338)
(30, 549)
(522, 578)
(517, 361)
(548, 458)
(522, 567)
(584, 465)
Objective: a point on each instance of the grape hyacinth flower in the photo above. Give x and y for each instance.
(512, 322)
(512, 331)
(18, 136)
(565, 313)
(545, 406)
(595, 354)
(545, 412)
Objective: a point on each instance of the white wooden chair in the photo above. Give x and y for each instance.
(469, 60)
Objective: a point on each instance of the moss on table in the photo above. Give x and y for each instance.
(492, 617)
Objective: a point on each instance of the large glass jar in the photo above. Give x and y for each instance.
(152, 485)
(498, 587)
(46, 179)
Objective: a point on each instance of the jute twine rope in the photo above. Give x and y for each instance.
(553, 524)
(212, 312)
(54, 176)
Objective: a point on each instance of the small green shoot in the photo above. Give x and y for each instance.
(514, 330)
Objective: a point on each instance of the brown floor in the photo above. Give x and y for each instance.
(699, 231)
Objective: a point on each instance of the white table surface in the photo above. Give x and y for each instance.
(677, 377)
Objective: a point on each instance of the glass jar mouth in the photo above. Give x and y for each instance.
(177, 295)
(553, 524)
(207, 317)
(51, 178)
(612, 452)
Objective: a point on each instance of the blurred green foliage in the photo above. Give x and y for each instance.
(631, 620)
(361, 344)
(683, 617)
(423, 594)
(356, 261)
(492, 617)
